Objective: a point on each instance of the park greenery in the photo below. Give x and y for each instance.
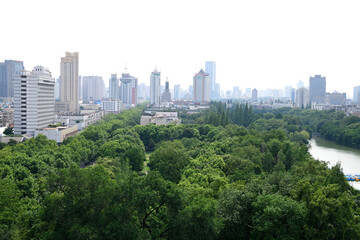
(229, 173)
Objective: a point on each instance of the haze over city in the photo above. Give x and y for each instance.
(257, 44)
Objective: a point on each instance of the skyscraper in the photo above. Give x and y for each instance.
(356, 97)
(128, 89)
(114, 87)
(166, 96)
(210, 68)
(69, 83)
(93, 88)
(177, 92)
(33, 100)
(254, 95)
(8, 69)
(317, 89)
(201, 83)
(155, 88)
(302, 97)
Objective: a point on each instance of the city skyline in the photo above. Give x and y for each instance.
(254, 44)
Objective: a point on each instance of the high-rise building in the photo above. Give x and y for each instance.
(141, 92)
(335, 98)
(210, 68)
(300, 84)
(356, 97)
(80, 88)
(254, 95)
(177, 92)
(317, 89)
(128, 89)
(69, 83)
(8, 69)
(155, 88)
(166, 96)
(33, 100)
(302, 97)
(292, 95)
(236, 92)
(57, 89)
(201, 83)
(93, 88)
(248, 92)
(287, 92)
(114, 87)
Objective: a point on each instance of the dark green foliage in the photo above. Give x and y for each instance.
(9, 131)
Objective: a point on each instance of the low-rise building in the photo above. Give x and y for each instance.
(160, 118)
(111, 106)
(59, 134)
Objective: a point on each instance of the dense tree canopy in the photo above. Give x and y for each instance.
(230, 173)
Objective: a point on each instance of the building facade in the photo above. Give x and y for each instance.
(302, 98)
(210, 68)
(166, 96)
(356, 96)
(335, 98)
(8, 69)
(155, 96)
(69, 83)
(254, 95)
(317, 89)
(114, 92)
(93, 88)
(33, 100)
(128, 89)
(201, 87)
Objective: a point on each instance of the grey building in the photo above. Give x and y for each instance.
(114, 87)
(317, 89)
(335, 98)
(34, 104)
(302, 98)
(8, 69)
(254, 95)
(93, 88)
(155, 88)
(356, 97)
(166, 96)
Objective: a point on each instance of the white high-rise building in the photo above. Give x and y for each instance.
(201, 87)
(69, 83)
(93, 88)
(34, 104)
(254, 95)
(155, 96)
(302, 97)
(128, 89)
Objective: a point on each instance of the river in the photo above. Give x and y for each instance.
(331, 152)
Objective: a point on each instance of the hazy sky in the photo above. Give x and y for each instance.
(258, 43)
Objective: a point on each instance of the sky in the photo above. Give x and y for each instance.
(256, 44)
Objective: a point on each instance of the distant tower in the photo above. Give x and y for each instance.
(177, 92)
(254, 95)
(34, 104)
(128, 88)
(302, 97)
(317, 89)
(356, 94)
(155, 88)
(114, 87)
(93, 88)
(69, 82)
(201, 83)
(8, 69)
(166, 96)
(210, 68)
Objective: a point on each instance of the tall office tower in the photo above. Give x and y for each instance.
(248, 92)
(128, 89)
(114, 87)
(210, 68)
(80, 88)
(177, 92)
(287, 92)
(292, 95)
(302, 97)
(201, 83)
(236, 92)
(300, 84)
(217, 90)
(33, 100)
(356, 97)
(155, 88)
(8, 69)
(254, 95)
(141, 92)
(317, 89)
(57, 89)
(69, 82)
(93, 88)
(166, 96)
